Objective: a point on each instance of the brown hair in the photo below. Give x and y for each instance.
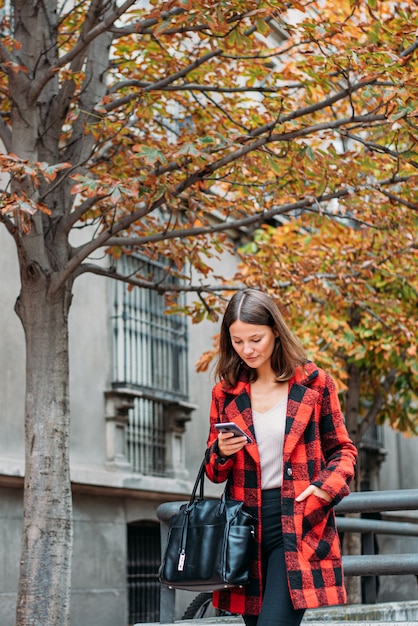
(255, 307)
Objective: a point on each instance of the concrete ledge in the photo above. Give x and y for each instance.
(225, 621)
(385, 612)
(393, 613)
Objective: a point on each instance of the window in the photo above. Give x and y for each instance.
(150, 347)
(144, 557)
(146, 441)
(150, 362)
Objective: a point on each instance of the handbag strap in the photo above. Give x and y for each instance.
(199, 481)
(185, 525)
(199, 484)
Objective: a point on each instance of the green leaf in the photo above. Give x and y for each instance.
(151, 155)
(189, 149)
(274, 165)
(206, 140)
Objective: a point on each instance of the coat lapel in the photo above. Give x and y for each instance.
(300, 405)
(237, 408)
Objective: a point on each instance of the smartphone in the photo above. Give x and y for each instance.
(231, 427)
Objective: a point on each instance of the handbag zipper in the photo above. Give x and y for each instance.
(182, 558)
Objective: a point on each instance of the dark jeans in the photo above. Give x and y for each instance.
(277, 608)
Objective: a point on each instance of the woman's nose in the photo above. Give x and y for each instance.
(247, 349)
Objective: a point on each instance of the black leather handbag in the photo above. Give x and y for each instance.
(210, 543)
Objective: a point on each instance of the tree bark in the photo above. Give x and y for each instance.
(45, 565)
(39, 106)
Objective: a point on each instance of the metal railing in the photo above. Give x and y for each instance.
(369, 564)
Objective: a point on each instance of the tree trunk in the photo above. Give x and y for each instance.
(45, 565)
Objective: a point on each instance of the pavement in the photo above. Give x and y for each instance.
(393, 613)
(225, 621)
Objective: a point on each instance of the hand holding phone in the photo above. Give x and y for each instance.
(231, 427)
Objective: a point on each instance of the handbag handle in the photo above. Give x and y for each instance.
(185, 525)
(199, 482)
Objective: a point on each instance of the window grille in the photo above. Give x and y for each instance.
(150, 347)
(144, 557)
(146, 437)
(373, 437)
(150, 359)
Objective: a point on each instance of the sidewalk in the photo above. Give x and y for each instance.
(393, 613)
(226, 621)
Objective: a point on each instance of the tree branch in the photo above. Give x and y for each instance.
(165, 81)
(262, 141)
(105, 237)
(392, 196)
(15, 232)
(8, 65)
(373, 147)
(410, 50)
(160, 287)
(205, 172)
(341, 216)
(313, 108)
(306, 204)
(227, 225)
(83, 42)
(76, 215)
(82, 252)
(141, 84)
(62, 102)
(138, 27)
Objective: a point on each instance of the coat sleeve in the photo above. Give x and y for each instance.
(217, 468)
(339, 451)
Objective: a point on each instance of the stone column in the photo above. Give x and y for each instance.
(116, 415)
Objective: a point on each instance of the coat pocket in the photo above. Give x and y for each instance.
(319, 534)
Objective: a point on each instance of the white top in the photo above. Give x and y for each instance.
(269, 430)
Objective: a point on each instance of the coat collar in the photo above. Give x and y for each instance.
(304, 375)
(301, 400)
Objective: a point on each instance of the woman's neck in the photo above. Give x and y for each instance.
(265, 375)
(266, 392)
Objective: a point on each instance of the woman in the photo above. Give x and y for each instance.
(298, 467)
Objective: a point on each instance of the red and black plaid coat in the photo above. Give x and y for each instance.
(317, 450)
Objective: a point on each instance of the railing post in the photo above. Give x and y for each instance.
(168, 596)
(369, 582)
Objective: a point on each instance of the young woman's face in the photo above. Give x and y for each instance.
(253, 343)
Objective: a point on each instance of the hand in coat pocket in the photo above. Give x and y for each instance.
(313, 490)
